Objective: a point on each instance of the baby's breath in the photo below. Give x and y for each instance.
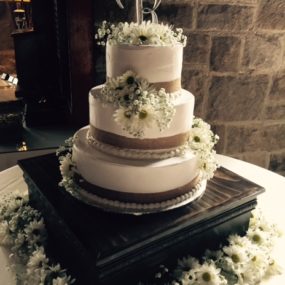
(139, 106)
(23, 232)
(146, 33)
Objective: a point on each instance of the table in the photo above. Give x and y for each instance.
(271, 204)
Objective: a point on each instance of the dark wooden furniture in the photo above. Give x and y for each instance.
(54, 62)
(106, 248)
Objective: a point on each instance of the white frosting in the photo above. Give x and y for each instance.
(101, 116)
(154, 63)
(133, 176)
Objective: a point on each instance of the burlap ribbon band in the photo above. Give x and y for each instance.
(136, 143)
(136, 197)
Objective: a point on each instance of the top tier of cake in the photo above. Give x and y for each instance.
(142, 105)
(159, 65)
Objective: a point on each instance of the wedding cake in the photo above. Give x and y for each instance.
(143, 150)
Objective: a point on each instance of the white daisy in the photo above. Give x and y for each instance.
(65, 280)
(144, 34)
(199, 137)
(38, 259)
(66, 165)
(237, 240)
(35, 276)
(188, 262)
(209, 274)
(5, 237)
(260, 237)
(237, 253)
(36, 231)
(136, 123)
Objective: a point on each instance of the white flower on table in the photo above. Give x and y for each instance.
(38, 259)
(5, 237)
(209, 274)
(36, 231)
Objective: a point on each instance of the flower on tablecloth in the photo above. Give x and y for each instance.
(23, 232)
(245, 260)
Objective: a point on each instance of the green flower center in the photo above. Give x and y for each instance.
(256, 238)
(142, 114)
(36, 232)
(196, 139)
(206, 276)
(235, 258)
(143, 38)
(127, 114)
(130, 80)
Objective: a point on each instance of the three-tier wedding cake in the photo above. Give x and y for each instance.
(143, 150)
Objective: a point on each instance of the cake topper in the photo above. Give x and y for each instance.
(141, 11)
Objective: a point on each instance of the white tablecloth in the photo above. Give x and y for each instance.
(271, 202)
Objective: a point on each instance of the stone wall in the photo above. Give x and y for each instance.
(234, 64)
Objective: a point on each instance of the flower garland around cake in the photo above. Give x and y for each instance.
(243, 260)
(146, 33)
(201, 142)
(23, 233)
(139, 105)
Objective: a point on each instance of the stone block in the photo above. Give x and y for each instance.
(177, 14)
(262, 51)
(224, 17)
(195, 81)
(260, 158)
(244, 139)
(236, 98)
(275, 112)
(274, 136)
(277, 163)
(277, 91)
(271, 14)
(225, 54)
(198, 49)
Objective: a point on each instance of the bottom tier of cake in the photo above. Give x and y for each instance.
(130, 180)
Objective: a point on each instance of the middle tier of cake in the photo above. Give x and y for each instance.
(133, 180)
(105, 129)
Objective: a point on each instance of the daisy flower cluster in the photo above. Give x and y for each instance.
(202, 141)
(244, 260)
(23, 232)
(146, 33)
(64, 153)
(139, 105)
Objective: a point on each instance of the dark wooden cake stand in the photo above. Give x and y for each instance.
(106, 248)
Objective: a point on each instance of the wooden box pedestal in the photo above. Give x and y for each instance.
(105, 248)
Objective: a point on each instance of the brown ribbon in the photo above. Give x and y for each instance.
(136, 197)
(169, 86)
(135, 143)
